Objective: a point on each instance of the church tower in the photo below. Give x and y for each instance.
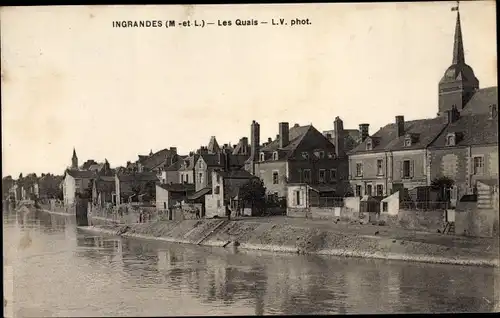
(74, 160)
(459, 82)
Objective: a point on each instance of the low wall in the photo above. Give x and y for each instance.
(471, 221)
(429, 221)
(298, 212)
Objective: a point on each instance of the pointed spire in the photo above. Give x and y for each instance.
(74, 152)
(458, 45)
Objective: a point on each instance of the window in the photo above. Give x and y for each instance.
(450, 140)
(200, 178)
(358, 190)
(217, 190)
(380, 170)
(262, 156)
(369, 189)
(307, 175)
(385, 207)
(380, 190)
(406, 169)
(305, 155)
(275, 177)
(218, 178)
(369, 145)
(407, 142)
(200, 164)
(297, 197)
(218, 203)
(478, 165)
(321, 154)
(165, 205)
(322, 174)
(359, 169)
(275, 155)
(187, 178)
(333, 175)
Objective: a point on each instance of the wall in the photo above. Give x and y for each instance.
(265, 173)
(370, 176)
(162, 197)
(186, 175)
(490, 159)
(418, 173)
(291, 196)
(392, 202)
(69, 190)
(213, 206)
(297, 212)
(429, 221)
(324, 213)
(471, 221)
(452, 163)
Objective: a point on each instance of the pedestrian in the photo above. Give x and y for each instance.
(197, 213)
(228, 213)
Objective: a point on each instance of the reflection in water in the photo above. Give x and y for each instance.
(114, 276)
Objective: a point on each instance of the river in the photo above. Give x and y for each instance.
(53, 269)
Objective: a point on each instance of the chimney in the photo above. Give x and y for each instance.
(400, 125)
(363, 130)
(269, 140)
(338, 126)
(244, 143)
(328, 136)
(453, 115)
(227, 163)
(173, 149)
(284, 135)
(296, 125)
(255, 140)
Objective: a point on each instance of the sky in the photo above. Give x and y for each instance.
(69, 79)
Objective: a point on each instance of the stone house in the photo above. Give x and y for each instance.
(300, 154)
(75, 181)
(103, 190)
(207, 163)
(187, 169)
(169, 195)
(127, 185)
(226, 187)
(393, 157)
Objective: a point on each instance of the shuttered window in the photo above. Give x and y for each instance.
(407, 168)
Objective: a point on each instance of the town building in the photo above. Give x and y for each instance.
(460, 143)
(104, 191)
(187, 168)
(171, 195)
(300, 154)
(130, 186)
(76, 181)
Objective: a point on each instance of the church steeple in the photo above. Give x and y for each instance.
(74, 160)
(459, 82)
(458, 44)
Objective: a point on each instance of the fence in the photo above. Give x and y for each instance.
(424, 205)
(326, 202)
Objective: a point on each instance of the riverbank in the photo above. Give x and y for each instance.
(323, 238)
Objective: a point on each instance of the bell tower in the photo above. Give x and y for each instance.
(459, 83)
(74, 160)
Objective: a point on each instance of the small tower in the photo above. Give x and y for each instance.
(74, 160)
(459, 82)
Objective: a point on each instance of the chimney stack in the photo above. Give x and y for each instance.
(269, 140)
(400, 125)
(284, 134)
(254, 144)
(338, 126)
(296, 125)
(173, 149)
(244, 143)
(363, 130)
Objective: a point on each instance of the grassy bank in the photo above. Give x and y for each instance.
(311, 239)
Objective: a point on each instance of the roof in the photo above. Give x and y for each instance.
(295, 136)
(191, 161)
(215, 160)
(352, 137)
(142, 176)
(178, 187)
(474, 129)
(175, 166)
(386, 139)
(156, 159)
(105, 183)
(96, 166)
(200, 193)
(81, 174)
(236, 174)
(106, 178)
(481, 100)
(213, 145)
(242, 146)
(87, 164)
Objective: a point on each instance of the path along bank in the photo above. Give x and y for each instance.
(280, 235)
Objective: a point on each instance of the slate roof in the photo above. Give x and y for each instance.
(215, 160)
(242, 146)
(213, 145)
(155, 159)
(175, 166)
(475, 129)
(191, 160)
(236, 174)
(178, 187)
(81, 174)
(87, 164)
(352, 138)
(296, 134)
(481, 101)
(142, 176)
(200, 193)
(386, 139)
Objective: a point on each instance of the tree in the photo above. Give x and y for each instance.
(442, 185)
(254, 193)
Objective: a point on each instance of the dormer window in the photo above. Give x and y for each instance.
(407, 141)
(369, 145)
(305, 155)
(275, 155)
(262, 156)
(450, 139)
